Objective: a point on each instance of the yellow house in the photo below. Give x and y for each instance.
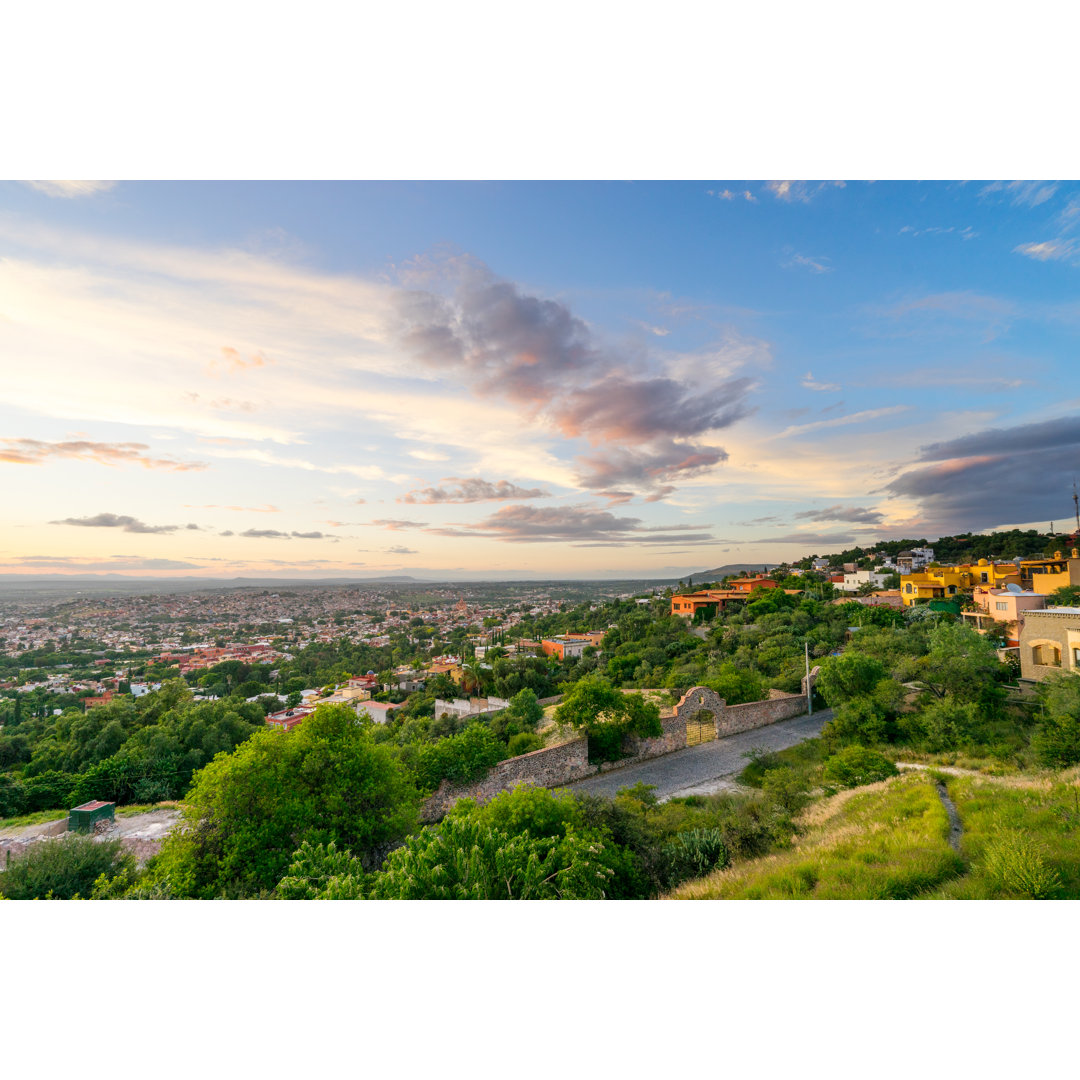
(1046, 575)
(945, 582)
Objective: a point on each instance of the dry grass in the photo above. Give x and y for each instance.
(884, 841)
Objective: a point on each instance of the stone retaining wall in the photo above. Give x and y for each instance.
(567, 762)
(550, 767)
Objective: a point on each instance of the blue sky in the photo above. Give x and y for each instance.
(528, 379)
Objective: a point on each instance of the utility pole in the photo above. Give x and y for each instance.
(809, 688)
(1076, 505)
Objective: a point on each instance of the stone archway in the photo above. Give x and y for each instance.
(701, 710)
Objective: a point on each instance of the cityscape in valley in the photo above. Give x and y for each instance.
(343, 560)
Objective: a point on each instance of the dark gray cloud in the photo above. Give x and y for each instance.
(537, 355)
(37, 452)
(471, 489)
(117, 521)
(650, 468)
(578, 525)
(855, 514)
(310, 535)
(264, 534)
(399, 550)
(995, 477)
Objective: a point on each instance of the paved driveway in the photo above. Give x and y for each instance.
(705, 769)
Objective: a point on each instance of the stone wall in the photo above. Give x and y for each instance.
(550, 767)
(563, 764)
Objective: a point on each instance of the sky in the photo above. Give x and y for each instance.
(528, 380)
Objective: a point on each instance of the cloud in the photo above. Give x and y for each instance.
(472, 489)
(543, 360)
(816, 264)
(118, 521)
(397, 525)
(59, 562)
(429, 455)
(728, 196)
(811, 383)
(399, 550)
(70, 189)
(1048, 250)
(19, 451)
(843, 421)
(800, 190)
(264, 534)
(853, 514)
(578, 525)
(1022, 192)
(987, 478)
(232, 360)
(311, 535)
(966, 233)
(809, 539)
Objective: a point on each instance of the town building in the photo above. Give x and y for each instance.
(1008, 606)
(853, 580)
(687, 605)
(1050, 643)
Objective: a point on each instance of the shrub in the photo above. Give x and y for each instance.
(461, 859)
(524, 743)
(786, 789)
(49, 791)
(855, 765)
(63, 869)
(694, 853)
(12, 797)
(459, 758)
(1057, 741)
(321, 872)
(1014, 861)
(947, 723)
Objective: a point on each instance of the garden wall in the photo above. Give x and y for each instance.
(567, 762)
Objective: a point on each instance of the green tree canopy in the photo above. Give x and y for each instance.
(248, 811)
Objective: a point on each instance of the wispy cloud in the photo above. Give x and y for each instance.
(36, 452)
(266, 509)
(1049, 250)
(1022, 192)
(470, 490)
(397, 524)
(843, 421)
(54, 563)
(966, 233)
(729, 196)
(801, 190)
(70, 189)
(817, 264)
(811, 383)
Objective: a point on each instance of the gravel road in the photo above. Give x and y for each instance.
(705, 769)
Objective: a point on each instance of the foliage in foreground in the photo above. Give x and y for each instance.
(250, 810)
(62, 869)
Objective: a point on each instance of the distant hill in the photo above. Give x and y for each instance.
(731, 568)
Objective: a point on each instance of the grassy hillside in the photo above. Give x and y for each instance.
(889, 840)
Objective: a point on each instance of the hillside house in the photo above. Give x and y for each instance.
(1050, 643)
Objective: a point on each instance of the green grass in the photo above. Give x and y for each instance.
(1040, 816)
(38, 817)
(804, 758)
(145, 808)
(886, 841)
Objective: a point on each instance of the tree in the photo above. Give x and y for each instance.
(248, 811)
(849, 676)
(1057, 739)
(960, 664)
(607, 716)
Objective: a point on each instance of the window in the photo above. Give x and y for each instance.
(1036, 654)
(907, 587)
(984, 578)
(952, 590)
(1076, 658)
(1001, 606)
(1055, 656)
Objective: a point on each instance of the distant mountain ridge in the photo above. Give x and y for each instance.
(730, 568)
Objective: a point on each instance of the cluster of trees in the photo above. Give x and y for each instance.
(128, 750)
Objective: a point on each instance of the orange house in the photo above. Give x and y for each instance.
(747, 585)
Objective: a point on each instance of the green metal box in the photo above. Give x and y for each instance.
(84, 818)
